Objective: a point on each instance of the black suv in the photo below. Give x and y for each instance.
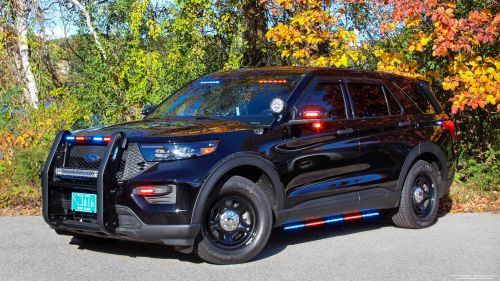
(219, 163)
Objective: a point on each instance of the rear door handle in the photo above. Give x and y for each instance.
(345, 131)
(404, 124)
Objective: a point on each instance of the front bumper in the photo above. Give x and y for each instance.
(132, 228)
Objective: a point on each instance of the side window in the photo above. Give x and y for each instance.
(327, 100)
(393, 104)
(418, 96)
(369, 100)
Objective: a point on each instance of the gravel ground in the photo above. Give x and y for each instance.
(457, 246)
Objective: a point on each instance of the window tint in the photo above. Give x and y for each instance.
(370, 100)
(393, 105)
(326, 98)
(418, 96)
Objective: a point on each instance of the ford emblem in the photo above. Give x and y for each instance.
(91, 157)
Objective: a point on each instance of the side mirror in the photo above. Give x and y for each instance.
(148, 109)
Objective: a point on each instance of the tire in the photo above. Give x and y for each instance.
(240, 206)
(94, 240)
(418, 209)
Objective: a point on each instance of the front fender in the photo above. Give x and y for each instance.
(229, 163)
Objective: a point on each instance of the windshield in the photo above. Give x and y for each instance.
(240, 98)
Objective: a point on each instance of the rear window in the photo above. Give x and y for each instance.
(418, 96)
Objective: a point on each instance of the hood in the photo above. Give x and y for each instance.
(168, 128)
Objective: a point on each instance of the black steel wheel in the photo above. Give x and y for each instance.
(231, 222)
(236, 224)
(419, 197)
(422, 191)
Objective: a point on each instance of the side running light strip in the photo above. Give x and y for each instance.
(330, 221)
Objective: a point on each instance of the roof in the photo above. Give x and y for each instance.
(302, 70)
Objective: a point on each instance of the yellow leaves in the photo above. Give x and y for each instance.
(424, 41)
(451, 5)
(286, 53)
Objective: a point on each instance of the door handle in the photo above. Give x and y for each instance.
(404, 124)
(345, 131)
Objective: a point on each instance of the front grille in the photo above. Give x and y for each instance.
(76, 158)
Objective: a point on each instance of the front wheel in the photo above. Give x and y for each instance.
(419, 197)
(236, 224)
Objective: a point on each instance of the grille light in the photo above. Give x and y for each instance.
(70, 138)
(80, 138)
(107, 139)
(97, 138)
(78, 173)
(321, 222)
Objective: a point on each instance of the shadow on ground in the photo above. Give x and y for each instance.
(277, 243)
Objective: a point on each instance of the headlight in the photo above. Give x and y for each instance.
(176, 151)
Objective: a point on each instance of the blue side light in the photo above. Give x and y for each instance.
(97, 138)
(334, 220)
(70, 138)
(439, 123)
(369, 215)
(114, 154)
(294, 226)
(209, 82)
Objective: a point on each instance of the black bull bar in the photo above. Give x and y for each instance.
(107, 218)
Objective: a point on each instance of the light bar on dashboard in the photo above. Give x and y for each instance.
(321, 222)
(76, 173)
(272, 81)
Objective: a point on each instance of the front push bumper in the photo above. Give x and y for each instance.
(112, 220)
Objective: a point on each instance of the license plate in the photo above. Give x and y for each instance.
(84, 202)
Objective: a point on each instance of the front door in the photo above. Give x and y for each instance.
(322, 155)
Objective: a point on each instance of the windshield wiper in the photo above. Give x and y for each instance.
(209, 118)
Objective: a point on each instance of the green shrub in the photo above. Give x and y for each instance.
(28, 164)
(481, 172)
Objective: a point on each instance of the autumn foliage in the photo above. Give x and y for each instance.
(466, 47)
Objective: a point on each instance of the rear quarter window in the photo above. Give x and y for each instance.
(418, 96)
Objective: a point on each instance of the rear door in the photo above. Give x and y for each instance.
(383, 136)
(322, 153)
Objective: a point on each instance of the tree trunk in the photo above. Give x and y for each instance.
(22, 12)
(254, 23)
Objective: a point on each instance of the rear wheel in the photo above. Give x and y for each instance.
(419, 197)
(236, 224)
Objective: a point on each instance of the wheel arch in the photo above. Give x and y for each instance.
(429, 152)
(250, 165)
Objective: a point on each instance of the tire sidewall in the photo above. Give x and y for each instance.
(427, 169)
(255, 195)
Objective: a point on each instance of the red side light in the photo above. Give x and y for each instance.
(312, 114)
(147, 190)
(315, 223)
(80, 138)
(353, 217)
(106, 139)
(317, 125)
(448, 125)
